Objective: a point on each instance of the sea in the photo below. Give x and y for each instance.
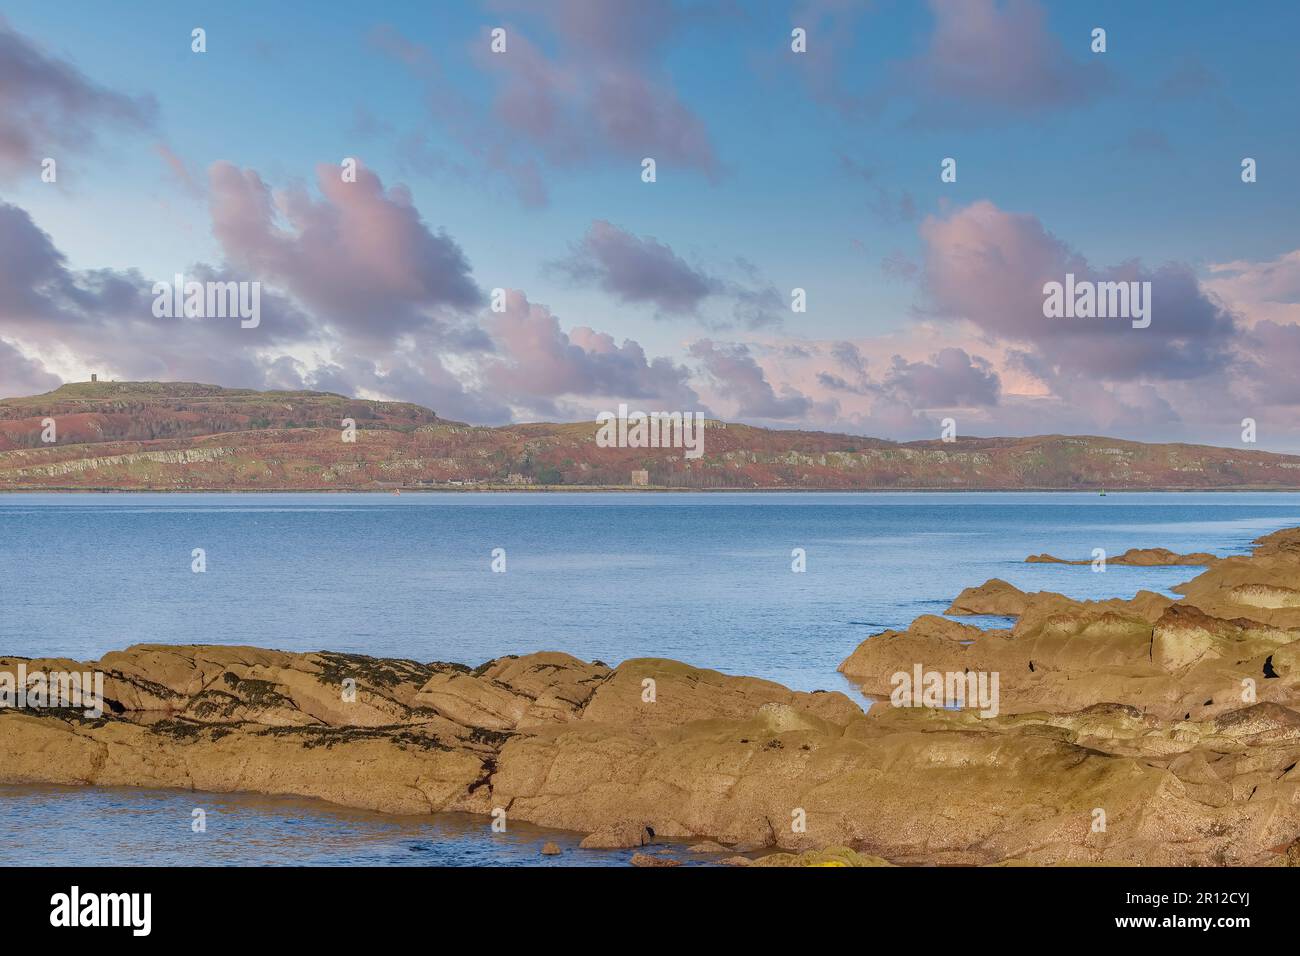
(776, 585)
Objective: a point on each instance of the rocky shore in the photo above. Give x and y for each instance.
(1143, 731)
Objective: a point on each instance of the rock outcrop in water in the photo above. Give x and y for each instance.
(1151, 730)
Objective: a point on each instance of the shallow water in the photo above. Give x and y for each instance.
(703, 578)
(103, 826)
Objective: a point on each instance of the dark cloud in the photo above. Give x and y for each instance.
(637, 270)
(20, 376)
(643, 270)
(851, 357)
(48, 106)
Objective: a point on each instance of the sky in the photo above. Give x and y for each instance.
(500, 256)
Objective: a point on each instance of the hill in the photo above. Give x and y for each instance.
(181, 436)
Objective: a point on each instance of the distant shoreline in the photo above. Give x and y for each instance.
(634, 490)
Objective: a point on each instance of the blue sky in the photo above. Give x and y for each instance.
(822, 170)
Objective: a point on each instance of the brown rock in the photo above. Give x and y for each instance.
(645, 859)
(1139, 557)
(618, 836)
(708, 846)
(995, 597)
(1179, 719)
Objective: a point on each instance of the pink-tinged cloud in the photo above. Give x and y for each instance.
(738, 378)
(581, 84)
(993, 60)
(950, 378)
(1259, 291)
(1273, 350)
(179, 171)
(536, 364)
(989, 267)
(604, 91)
(360, 256)
(48, 107)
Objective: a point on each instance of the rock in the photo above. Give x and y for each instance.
(708, 846)
(1292, 853)
(550, 848)
(1139, 557)
(1179, 718)
(618, 836)
(831, 856)
(645, 859)
(995, 597)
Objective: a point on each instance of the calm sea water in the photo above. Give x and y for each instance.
(703, 578)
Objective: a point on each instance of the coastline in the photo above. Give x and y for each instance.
(1135, 707)
(638, 489)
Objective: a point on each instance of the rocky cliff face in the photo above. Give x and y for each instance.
(1147, 731)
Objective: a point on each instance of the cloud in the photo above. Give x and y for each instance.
(738, 378)
(48, 106)
(637, 270)
(990, 61)
(1259, 290)
(360, 256)
(827, 70)
(20, 375)
(894, 208)
(989, 266)
(949, 379)
(1187, 80)
(644, 271)
(1274, 350)
(604, 91)
(581, 83)
(500, 367)
(180, 172)
(103, 318)
(536, 363)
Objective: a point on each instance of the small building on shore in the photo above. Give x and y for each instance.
(640, 477)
